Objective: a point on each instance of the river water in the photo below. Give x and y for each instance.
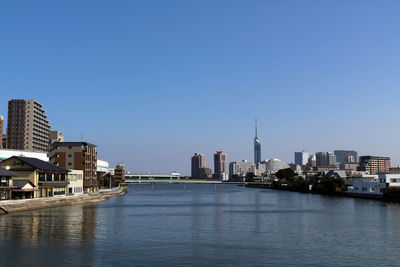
(203, 225)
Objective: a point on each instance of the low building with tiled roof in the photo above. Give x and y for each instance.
(48, 179)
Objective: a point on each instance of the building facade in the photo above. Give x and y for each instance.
(374, 164)
(325, 160)
(75, 182)
(119, 172)
(198, 163)
(6, 184)
(219, 162)
(27, 126)
(77, 156)
(301, 158)
(240, 168)
(345, 156)
(48, 179)
(1, 130)
(55, 136)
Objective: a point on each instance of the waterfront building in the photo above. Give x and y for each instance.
(1, 131)
(325, 160)
(48, 179)
(301, 158)
(345, 156)
(257, 148)
(27, 126)
(198, 162)
(240, 168)
(75, 182)
(374, 164)
(119, 172)
(8, 153)
(77, 156)
(6, 184)
(374, 185)
(219, 162)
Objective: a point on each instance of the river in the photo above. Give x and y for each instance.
(203, 225)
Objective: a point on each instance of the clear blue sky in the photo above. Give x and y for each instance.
(152, 82)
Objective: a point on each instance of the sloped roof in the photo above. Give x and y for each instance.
(22, 183)
(4, 172)
(40, 164)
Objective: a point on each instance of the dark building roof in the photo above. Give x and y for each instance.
(40, 164)
(72, 144)
(4, 172)
(21, 183)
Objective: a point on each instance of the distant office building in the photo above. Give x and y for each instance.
(204, 173)
(1, 130)
(257, 148)
(4, 141)
(301, 158)
(77, 156)
(274, 165)
(312, 161)
(345, 156)
(374, 165)
(27, 126)
(219, 162)
(325, 159)
(198, 162)
(394, 170)
(55, 136)
(240, 168)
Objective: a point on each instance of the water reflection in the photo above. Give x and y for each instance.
(71, 224)
(198, 225)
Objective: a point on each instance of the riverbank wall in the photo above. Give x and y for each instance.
(386, 196)
(10, 206)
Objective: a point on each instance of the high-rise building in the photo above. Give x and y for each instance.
(257, 148)
(343, 156)
(301, 158)
(219, 162)
(27, 126)
(1, 130)
(325, 159)
(374, 165)
(77, 156)
(55, 136)
(198, 162)
(240, 168)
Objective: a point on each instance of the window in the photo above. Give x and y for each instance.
(62, 177)
(56, 177)
(70, 147)
(69, 155)
(69, 163)
(41, 176)
(49, 177)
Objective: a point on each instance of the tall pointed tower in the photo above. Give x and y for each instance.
(257, 148)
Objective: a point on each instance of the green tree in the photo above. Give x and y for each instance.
(249, 177)
(287, 174)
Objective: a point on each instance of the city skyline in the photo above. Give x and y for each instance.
(127, 77)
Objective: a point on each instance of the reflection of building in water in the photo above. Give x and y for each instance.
(72, 223)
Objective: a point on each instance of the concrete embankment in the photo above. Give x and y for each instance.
(9, 206)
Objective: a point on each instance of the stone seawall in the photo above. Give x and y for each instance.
(9, 206)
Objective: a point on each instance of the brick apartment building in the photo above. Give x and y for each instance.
(77, 156)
